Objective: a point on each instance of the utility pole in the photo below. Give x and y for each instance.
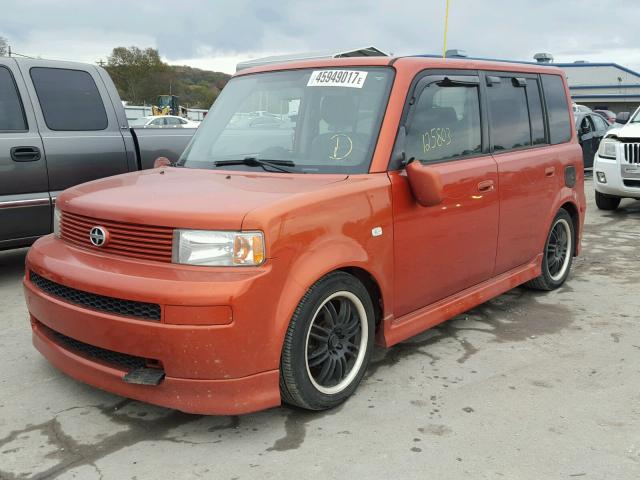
(100, 62)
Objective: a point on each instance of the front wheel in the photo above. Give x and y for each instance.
(558, 254)
(328, 343)
(606, 202)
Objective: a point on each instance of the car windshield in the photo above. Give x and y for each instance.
(312, 120)
(636, 117)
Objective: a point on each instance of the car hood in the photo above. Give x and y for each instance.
(187, 198)
(630, 130)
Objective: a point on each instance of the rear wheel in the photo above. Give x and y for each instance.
(606, 202)
(558, 254)
(328, 343)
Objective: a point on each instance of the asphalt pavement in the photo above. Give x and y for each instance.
(527, 386)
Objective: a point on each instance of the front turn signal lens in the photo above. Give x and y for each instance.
(248, 249)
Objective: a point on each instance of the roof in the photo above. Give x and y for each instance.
(411, 63)
(354, 52)
(587, 64)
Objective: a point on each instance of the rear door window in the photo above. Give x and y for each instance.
(557, 108)
(69, 99)
(12, 117)
(508, 114)
(445, 123)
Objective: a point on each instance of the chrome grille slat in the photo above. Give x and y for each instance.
(631, 152)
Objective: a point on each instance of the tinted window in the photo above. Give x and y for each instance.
(69, 99)
(11, 112)
(585, 126)
(535, 112)
(445, 124)
(600, 123)
(509, 116)
(557, 108)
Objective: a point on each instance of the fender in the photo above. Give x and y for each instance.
(318, 260)
(567, 195)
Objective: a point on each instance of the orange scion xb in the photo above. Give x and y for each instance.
(323, 206)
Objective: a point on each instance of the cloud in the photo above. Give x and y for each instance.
(200, 31)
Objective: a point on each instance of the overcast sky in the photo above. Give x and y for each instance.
(216, 34)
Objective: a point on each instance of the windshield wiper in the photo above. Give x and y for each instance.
(257, 162)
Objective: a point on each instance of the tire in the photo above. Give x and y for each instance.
(321, 363)
(606, 202)
(558, 254)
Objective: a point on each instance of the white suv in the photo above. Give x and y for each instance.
(616, 167)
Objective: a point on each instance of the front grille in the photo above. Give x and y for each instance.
(127, 239)
(631, 183)
(116, 306)
(631, 152)
(122, 361)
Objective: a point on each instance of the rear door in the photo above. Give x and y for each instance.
(25, 209)
(78, 124)
(588, 140)
(530, 170)
(442, 250)
(601, 126)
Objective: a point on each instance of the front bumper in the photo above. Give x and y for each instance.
(227, 368)
(614, 185)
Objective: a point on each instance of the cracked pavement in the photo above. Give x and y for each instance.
(527, 386)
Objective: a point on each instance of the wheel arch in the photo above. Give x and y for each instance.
(312, 267)
(573, 212)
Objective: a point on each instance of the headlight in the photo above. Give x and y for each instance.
(607, 148)
(205, 247)
(57, 216)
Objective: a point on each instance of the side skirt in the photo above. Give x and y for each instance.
(395, 330)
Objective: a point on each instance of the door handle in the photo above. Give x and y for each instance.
(549, 171)
(25, 154)
(486, 186)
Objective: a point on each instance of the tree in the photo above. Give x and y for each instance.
(4, 46)
(140, 76)
(133, 70)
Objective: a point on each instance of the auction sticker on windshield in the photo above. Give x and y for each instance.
(337, 78)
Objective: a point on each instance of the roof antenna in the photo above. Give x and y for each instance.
(446, 23)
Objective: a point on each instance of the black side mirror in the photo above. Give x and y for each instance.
(623, 118)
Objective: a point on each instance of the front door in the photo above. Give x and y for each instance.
(587, 134)
(25, 208)
(449, 247)
(78, 124)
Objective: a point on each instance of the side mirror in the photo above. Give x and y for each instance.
(622, 118)
(425, 183)
(161, 162)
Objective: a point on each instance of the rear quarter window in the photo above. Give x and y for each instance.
(557, 108)
(69, 99)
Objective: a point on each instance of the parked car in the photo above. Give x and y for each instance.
(243, 278)
(163, 121)
(617, 163)
(62, 124)
(580, 108)
(591, 129)
(608, 115)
